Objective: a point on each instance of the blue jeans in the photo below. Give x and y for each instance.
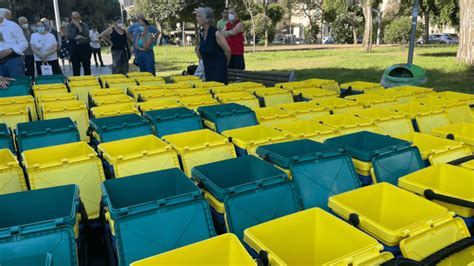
(13, 68)
(146, 61)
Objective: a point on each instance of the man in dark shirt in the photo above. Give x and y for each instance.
(80, 51)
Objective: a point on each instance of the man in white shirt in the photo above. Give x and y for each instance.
(12, 45)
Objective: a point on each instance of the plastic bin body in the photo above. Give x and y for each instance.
(45, 259)
(11, 175)
(136, 91)
(81, 78)
(12, 115)
(194, 102)
(74, 163)
(200, 147)
(50, 79)
(227, 116)
(150, 81)
(460, 132)
(424, 117)
(346, 123)
(176, 79)
(49, 89)
(387, 122)
(173, 121)
(123, 83)
(418, 91)
(114, 128)
(303, 110)
(359, 87)
(242, 98)
(372, 100)
(19, 102)
(104, 78)
(209, 85)
(193, 92)
(136, 156)
(313, 237)
(139, 75)
(457, 112)
(53, 98)
(272, 116)
(308, 129)
(157, 95)
(316, 93)
(400, 96)
(6, 140)
(457, 96)
(272, 96)
(82, 88)
(246, 85)
(114, 110)
(76, 111)
(157, 105)
(112, 99)
(338, 105)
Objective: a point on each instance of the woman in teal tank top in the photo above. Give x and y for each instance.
(144, 45)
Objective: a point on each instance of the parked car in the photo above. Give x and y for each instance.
(328, 40)
(447, 38)
(434, 38)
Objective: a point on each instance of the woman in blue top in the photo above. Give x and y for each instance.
(213, 48)
(144, 46)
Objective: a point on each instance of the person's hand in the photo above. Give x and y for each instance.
(80, 37)
(4, 82)
(5, 53)
(76, 23)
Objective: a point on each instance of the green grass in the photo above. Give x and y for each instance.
(343, 65)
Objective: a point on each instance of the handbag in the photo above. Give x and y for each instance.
(46, 69)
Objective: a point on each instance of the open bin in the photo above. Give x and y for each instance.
(387, 122)
(400, 96)
(21, 102)
(318, 170)
(200, 147)
(45, 133)
(176, 79)
(313, 237)
(242, 98)
(57, 97)
(346, 123)
(11, 175)
(304, 110)
(271, 116)
(247, 85)
(227, 89)
(291, 85)
(103, 92)
(418, 91)
(75, 110)
(227, 116)
(192, 92)
(11, 115)
(457, 112)
(173, 120)
(307, 129)
(466, 98)
(137, 155)
(435, 150)
(119, 127)
(359, 87)
(112, 100)
(372, 100)
(327, 84)
(423, 117)
(73, 163)
(81, 78)
(6, 139)
(139, 74)
(157, 105)
(123, 83)
(379, 158)
(247, 139)
(210, 85)
(460, 132)
(82, 88)
(137, 204)
(225, 249)
(135, 91)
(447, 185)
(149, 80)
(114, 110)
(104, 78)
(273, 96)
(378, 209)
(194, 102)
(38, 222)
(157, 95)
(316, 93)
(49, 89)
(338, 105)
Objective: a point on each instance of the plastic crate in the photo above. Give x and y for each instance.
(45, 133)
(157, 95)
(247, 85)
(424, 117)
(175, 86)
(272, 116)
(247, 139)
(338, 105)
(227, 116)
(16, 88)
(377, 210)
(346, 123)
(468, 165)
(400, 96)
(166, 198)
(149, 81)
(385, 157)
(272, 96)
(293, 85)
(387, 122)
(18, 101)
(200, 147)
(104, 78)
(105, 92)
(11, 174)
(49, 79)
(466, 98)
(82, 88)
(139, 74)
(316, 93)
(437, 150)
(242, 98)
(135, 91)
(209, 85)
(192, 92)
(157, 105)
(138, 155)
(459, 132)
(447, 185)
(6, 140)
(359, 87)
(119, 127)
(326, 84)
(112, 100)
(41, 221)
(308, 130)
(173, 120)
(73, 163)
(81, 78)
(114, 110)
(45, 259)
(225, 249)
(123, 83)
(303, 110)
(457, 112)
(176, 79)
(49, 89)
(54, 98)
(227, 89)
(11, 115)
(77, 111)
(373, 100)
(194, 102)
(313, 237)
(418, 91)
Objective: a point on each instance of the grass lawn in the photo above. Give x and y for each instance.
(343, 65)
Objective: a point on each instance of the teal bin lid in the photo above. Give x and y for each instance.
(45, 259)
(213, 112)
(317, 180)
(236, 175)
(16, 88)
(50, 79)
(390, 167)
(45, 133)
(285, 153)
(6, 141)
(173, 120)
(247, 209)
(229, 116)
(120, 127)
(365, 145)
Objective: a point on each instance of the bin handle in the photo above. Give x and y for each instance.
(448, 251)
(263, 258)
(431, 195)
(461, 160)
(354, 219)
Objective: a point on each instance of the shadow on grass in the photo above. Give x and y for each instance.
(440, 54)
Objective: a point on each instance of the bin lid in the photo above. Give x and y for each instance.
(4, 132)
(285, 153)
(174, 120)
(389, 167)
(244, 210)
(40, 127)
(117, 122)
(318, 179)
(213, 112)
(45, 259)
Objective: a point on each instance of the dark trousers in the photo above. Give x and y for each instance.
(96, 53)
(81, 56)
(30, 65)
(54, 64)
(237, 62)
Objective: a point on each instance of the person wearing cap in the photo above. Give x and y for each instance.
(29, 59)
(12, 46)
(234, 34)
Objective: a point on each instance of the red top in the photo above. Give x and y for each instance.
(236, 42)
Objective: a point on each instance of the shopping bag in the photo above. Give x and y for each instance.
(46, 70)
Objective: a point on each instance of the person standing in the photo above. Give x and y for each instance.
(234, 33)
(134, 31)
(213, 48)
(65, 46)
(223, 21)
(144, 48)
(120, 46)
(45, 49)
(95, 46)
(12, 45)
(77, 33)
(29, 59)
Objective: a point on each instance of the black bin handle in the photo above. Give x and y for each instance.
(431, 195)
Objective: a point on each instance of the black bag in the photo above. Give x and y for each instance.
(191, 69)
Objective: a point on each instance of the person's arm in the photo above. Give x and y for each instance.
(222, 42)
(36, 50)
(71, 32)
(54, 47)
(83, 31)
(106, 33)
(236, 30)
(20, 44)
(149, 41)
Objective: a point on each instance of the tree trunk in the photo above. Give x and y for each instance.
(466, 33)
(426, 32)
(367, 8)
(354, 34)
(253, 32)
(266, 38)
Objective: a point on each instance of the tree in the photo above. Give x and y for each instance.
(312, 10)
(367, 6)
(250, 6)
(399, 30)
(341, 29)
(348, 14)
(466, 33)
